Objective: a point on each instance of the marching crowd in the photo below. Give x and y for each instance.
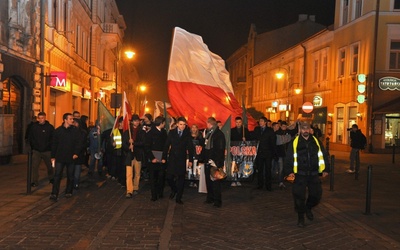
(295, 151)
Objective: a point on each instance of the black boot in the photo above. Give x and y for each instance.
(300, 221)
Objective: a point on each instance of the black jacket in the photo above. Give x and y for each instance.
(358, 139)
(66, 143)
(138, 145)
(41, 136)
(266, 142)
(217, 150)
(83, 145)
(307, 156)
(154, 140)
(237, 134)
(178, 148)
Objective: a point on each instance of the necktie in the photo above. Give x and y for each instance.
(179, 133)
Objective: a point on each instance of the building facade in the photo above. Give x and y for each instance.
(58, 56)
(348, 72)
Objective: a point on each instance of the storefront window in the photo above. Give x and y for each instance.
(392, 129)
(339, 124)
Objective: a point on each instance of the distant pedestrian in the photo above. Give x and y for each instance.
(82, 153)
(40, 139)
(178, 147)
(198, 143)
(76, 114)
(154, 145)
(306, 159)
(317, 132)
(358, 142)
(118, 164)
(65, 149)
(266, 151)
(133, 144)
(214, 149)
(95, 150)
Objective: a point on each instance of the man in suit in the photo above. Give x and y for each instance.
(265, 153)
(178, 145)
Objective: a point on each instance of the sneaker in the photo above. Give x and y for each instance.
(128, 195)
(113, 178)
(233, 184)
(349, 171)
(238, 184)
(135, 192)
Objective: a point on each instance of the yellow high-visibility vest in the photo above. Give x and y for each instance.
(321, 161)
(117, 138)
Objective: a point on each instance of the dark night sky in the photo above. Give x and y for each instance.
(223, 24)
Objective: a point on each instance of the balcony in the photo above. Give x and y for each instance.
(111, 33)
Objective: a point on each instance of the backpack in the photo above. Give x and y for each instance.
(363, 141)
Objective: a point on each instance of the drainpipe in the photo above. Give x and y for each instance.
(304, 74)
(42, 75)
(370, 96)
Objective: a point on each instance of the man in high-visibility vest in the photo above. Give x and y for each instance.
(306, 160)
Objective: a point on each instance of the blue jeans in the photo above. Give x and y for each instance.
(59, 168)
(355, 157)
(77, 174)
(92, 163)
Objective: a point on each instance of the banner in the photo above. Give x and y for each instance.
(243, 155)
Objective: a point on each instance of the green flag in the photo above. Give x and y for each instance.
(226, 129)
(105, 118)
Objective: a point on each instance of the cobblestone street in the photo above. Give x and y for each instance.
(99, 216)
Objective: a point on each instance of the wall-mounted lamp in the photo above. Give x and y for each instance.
(359, 116)
(330, 115)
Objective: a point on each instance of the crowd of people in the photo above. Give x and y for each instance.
(146, 150)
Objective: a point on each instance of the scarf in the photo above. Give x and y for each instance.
(209, 139)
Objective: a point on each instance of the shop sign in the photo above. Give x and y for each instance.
(283, 107)
(58, 79)
(87, 94)
(76, 90)
(317, 101)
(389, 83)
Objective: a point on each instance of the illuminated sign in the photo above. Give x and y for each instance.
(58, 79)
(317, 101)
(389, 83)
(361, 98)
(87, 94)
(361, 78)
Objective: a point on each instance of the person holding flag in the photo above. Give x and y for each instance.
(133, 141)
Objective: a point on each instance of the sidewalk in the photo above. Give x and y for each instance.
(99, 217)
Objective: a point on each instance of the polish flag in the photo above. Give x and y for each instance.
(198, 83)
(127, 113)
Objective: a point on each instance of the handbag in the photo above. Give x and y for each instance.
(217, 174)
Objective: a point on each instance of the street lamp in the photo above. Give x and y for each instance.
(142, 88)
(297, 90)
(129, 54)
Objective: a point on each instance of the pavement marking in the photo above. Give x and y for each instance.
(166, 231)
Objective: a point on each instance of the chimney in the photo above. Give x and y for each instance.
(312, 18)
(302, 17)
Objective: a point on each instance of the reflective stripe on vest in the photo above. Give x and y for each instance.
(117, 138)
(321, 162)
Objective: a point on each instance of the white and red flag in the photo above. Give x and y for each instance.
(198, 83)
(127, 113)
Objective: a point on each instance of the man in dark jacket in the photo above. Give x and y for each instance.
(214, 149)
(40, 138)
(154, 145)
(65, 149)
(358, 142)
(306, 159)
(178, 145)
(133, 146)
(265, 153)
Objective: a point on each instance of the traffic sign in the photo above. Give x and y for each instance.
(307, 107)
